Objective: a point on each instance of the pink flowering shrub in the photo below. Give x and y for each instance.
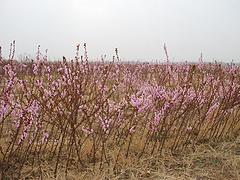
(81, 111)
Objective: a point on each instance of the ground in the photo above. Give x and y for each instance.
(213, 160)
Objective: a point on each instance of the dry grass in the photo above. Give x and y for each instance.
(209, 161)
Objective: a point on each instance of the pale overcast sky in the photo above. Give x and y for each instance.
(138, 28)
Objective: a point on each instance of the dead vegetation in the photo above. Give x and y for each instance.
(212, 160)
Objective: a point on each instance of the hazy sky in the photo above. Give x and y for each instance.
(138, 28)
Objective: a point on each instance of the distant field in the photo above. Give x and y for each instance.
(112, 120)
